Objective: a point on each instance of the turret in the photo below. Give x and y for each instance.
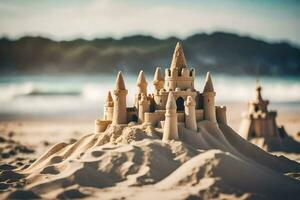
(144, 106)
(142, 83)
(209, 99)
(120, 113)
(170, 124)
(190, 114)
(158, 80)
(141, 86)
(108, 107)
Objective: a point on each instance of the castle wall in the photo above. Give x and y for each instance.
(155, 117)
(265, 127)
(159, 115)
(221, 114)
(181, 83)
(199, 115)
(101, 125)
(183, 79)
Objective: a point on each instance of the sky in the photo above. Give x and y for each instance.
(271, 20)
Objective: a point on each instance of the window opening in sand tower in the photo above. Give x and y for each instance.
(180, 104)
(191, 72)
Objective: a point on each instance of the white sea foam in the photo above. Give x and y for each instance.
(86, 94)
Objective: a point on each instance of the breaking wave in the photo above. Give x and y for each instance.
(87, 93)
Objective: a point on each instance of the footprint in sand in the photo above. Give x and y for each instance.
(50, 170)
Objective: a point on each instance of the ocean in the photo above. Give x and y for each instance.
(82, 96)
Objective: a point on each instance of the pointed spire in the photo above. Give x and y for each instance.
(171, 103)
(141, 79)
(258, 90)
(120, 85)
(208, 87)
(157, 75)
(178, 60)
(109, 97)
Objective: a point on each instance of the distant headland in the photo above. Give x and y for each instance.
(218, 52)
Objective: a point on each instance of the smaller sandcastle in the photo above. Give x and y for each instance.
(174, 102)
(259, 126)
(258, 121)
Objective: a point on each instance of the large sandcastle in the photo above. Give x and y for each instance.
(174, 102)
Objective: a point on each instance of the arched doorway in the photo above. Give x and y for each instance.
(180, 104)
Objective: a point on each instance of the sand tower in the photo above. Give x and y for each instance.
(141, 87)
(179, 76)
(144, 106)
(158, 80)
(209, 99)
(108, 107)
(190, 114)
(120, 92)
(170, 125)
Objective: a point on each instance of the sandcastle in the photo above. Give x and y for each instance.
(174, 102)
(258, 121)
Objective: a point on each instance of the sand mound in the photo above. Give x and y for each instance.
(139, 163)
(134, 160)
(214, 168)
